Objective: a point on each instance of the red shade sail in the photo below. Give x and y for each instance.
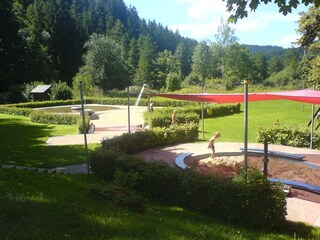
(308, 96)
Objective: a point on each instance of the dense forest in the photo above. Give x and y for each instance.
(106, 45)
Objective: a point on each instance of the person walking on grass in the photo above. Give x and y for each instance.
(211, 143)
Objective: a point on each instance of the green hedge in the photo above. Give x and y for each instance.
(288, 136)
(15, 111)
(162, 117)
(51, 118)
(139, 141)
(253, 203)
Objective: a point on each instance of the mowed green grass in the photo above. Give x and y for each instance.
(23, 143)
(260, 114)
(56, 206)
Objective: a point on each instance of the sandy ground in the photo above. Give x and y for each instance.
(231, 165)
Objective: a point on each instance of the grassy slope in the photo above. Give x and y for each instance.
(23, 143)
(50, 206)
(261, 114)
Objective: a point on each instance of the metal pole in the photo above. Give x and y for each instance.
(202, 114)
(245, 83)
(128, 109)
(265, 158)
(84, 127)
(312, 124)
(312, 127)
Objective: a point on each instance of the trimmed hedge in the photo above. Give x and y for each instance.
(288, 136)
(254, 203)
(51, 118)
(136, 142)
(162, 117)
(16, 111)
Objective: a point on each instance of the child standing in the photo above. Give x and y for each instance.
(211, 143)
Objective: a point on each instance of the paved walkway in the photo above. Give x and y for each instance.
(115, 122)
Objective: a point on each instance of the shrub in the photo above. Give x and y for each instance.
(47, 118)
(16, 111)
(80, 124)
(140, 141)
(288, 135)
(60, 91)
(253, 203)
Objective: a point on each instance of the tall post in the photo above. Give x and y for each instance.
(245, 83)
(84, 127)
(265, 158)
(202, 113)
(129, 109)
(312, 124)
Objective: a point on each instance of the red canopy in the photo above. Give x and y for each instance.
(308, 96)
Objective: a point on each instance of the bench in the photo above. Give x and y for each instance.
(298, 185)
(179, 161)
(275, 153)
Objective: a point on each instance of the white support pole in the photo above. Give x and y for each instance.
(84, 128)
(245, 83)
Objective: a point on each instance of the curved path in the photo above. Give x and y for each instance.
(115, 122)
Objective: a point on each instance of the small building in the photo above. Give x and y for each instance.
(41, 93)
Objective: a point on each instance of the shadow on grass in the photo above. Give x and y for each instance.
(53, 206)
(23, 144)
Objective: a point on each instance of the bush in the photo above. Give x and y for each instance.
(80, 124)
(288, 136)
(47, 118)
(60, 91)
(16, 111)
(140, 141)
(162, 117)
(253, 203)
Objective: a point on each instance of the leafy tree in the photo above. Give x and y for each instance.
(146, 64)
(240, 8)
(166, 64)
(11, 47)
(183, 58)
(105, 64)
(201, 61)
(275, 65)
(309, 27)
(173, 81)
(224, 39)
(260, 67)
(238, 65)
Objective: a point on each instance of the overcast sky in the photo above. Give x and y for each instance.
(199, 19)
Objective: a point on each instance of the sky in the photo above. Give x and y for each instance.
(199, 19)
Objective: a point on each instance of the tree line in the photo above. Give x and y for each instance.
(108, 46)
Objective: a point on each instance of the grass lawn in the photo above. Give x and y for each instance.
(54, 206)
(261, 114)
(23, 144)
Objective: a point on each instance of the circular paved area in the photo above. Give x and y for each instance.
(115, 122)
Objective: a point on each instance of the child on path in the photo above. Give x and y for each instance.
(211, 143)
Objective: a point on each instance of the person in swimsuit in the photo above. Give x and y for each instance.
(211, 143)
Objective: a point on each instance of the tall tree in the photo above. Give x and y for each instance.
(105, 64)
(146, 64)
(201, 61)
(11, 47)
(260, 68)
(184, 58)
(166, 64)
